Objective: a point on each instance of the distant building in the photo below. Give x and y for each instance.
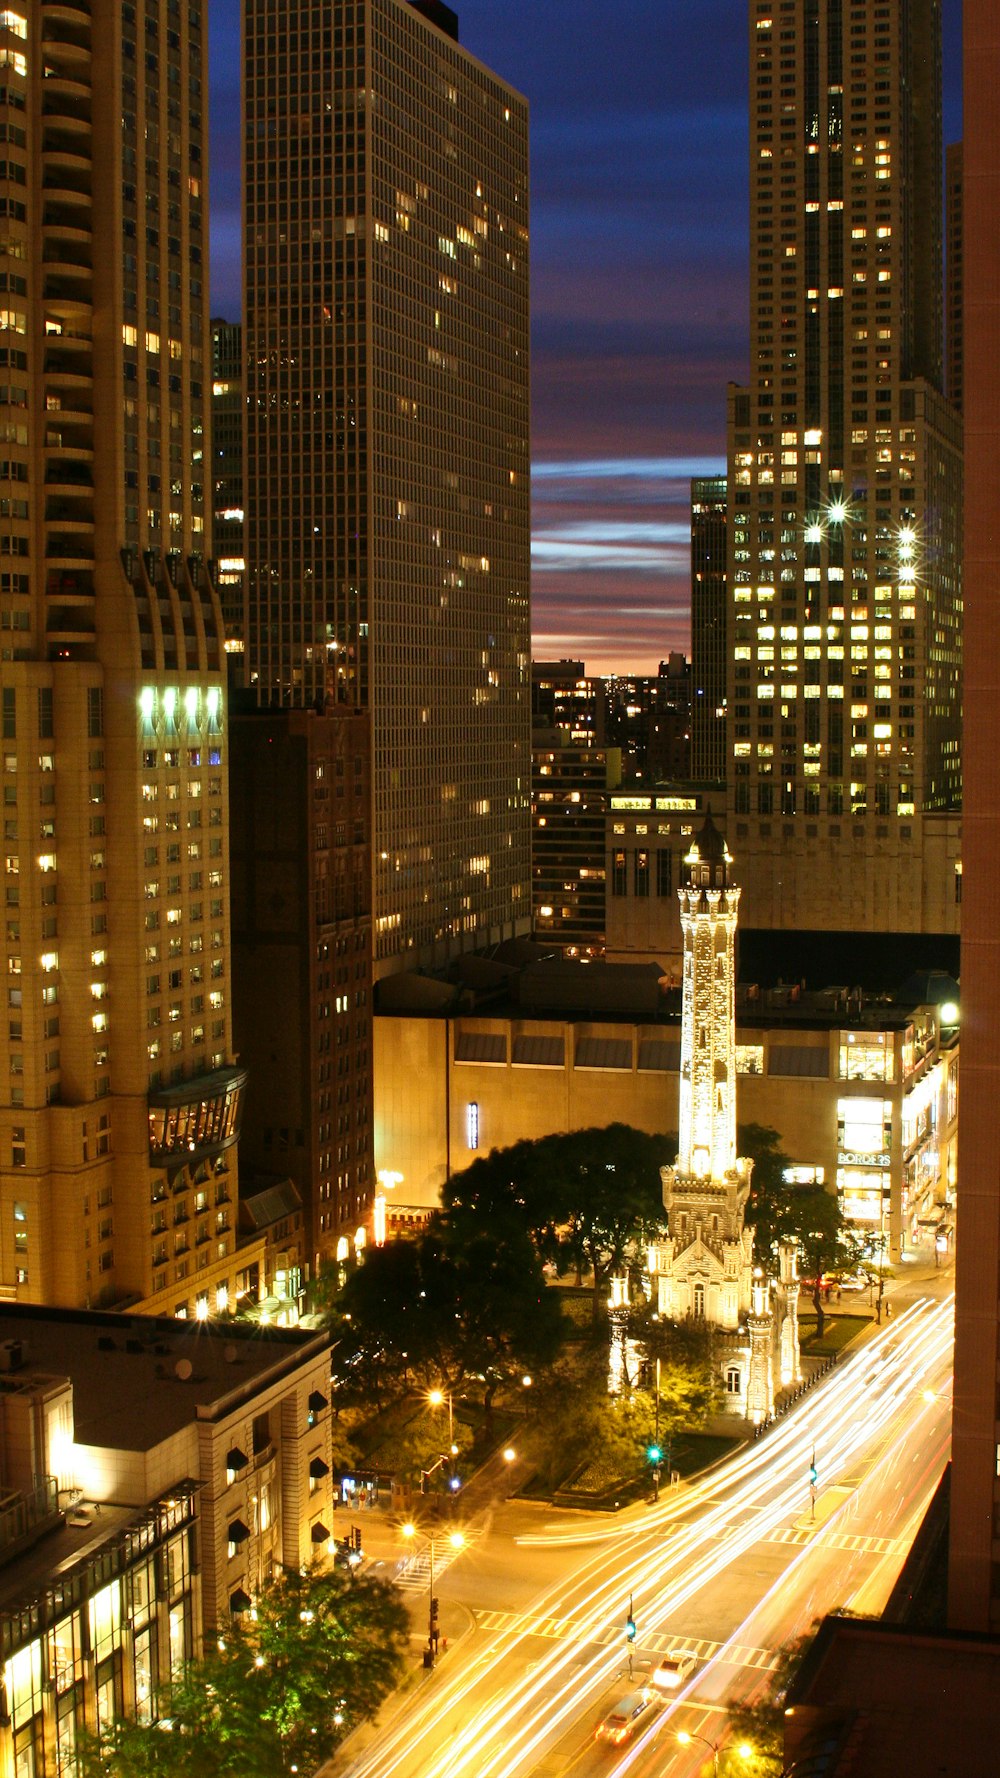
(648, 832)
(564, 697)
(649, 718)
(709, 629)
(570, 786)
(155, 1474)
(229, 549)
(302, 971)
(844, 700)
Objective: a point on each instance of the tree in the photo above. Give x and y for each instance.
(465, 1302)
(768, 1188)
(811, 1216)
(612, 1201)
(589, 1199)
(761, 1724)
(278, 1692)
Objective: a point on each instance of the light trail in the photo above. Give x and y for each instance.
(761, 1487)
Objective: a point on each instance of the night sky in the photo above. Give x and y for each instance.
(639, 286)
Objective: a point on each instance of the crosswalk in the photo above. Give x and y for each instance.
(413, 1573)
(565, 1629)
(838, 1540)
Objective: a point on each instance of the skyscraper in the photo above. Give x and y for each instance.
(709, 656)
(845, 484)
(119, 1103)
(386, 316)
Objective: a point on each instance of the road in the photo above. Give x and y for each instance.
(731, 1568)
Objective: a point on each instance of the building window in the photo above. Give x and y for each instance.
(619, 872)
(734, 1380)
(699, 1302)
(664, 871)
(642, 873)
(472, 1124)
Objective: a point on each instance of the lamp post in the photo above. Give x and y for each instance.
(457, 1542)
(436, 1397)
(685, 1737)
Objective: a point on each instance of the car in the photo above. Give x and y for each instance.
(671, 1672)
(626, 1716)
(855, 1281)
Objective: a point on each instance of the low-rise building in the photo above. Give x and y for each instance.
(863, 1093)
(153, 1474)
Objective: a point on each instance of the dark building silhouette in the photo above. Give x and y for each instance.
(709, 659)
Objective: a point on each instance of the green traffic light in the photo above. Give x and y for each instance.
(654, 1453)
(630, 1629)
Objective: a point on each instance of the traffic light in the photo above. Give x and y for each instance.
(654, 1453)
(813, 1474)
(434, 1610)
(356, 1536)
(630, 1629)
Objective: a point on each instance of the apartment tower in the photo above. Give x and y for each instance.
(973, 1571)
(386, 325)
(845, 484)
(119, 1098)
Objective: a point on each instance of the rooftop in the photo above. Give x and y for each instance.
(137, 1379)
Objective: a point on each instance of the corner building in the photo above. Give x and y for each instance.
(386, 317)
(845, 488)
(119, 1099)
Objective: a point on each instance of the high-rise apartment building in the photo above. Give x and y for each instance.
(709, 614)
(845, 484)
(119, 1098)
(386, 316)
(973, 1571)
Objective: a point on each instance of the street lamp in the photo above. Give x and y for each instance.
(456, 1540)
(436, 1397)
(685, 1737)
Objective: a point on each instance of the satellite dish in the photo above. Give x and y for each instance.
(183, 1369)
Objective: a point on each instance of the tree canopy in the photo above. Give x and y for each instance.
(465, 1302)
(589, 1199)
(277, 1693)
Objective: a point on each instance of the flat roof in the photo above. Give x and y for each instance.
(137, 1379)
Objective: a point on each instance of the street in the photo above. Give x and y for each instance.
(730, 1568)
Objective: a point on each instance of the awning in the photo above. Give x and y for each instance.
(317, 1401)
(238, 1531)
(318, 1468)
(239, 1602)
(319, 1533)
(236, 1459)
